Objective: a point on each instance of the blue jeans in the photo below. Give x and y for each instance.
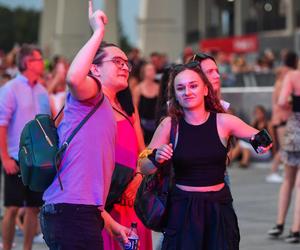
(72, 227)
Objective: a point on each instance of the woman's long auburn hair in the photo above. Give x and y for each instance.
(211, 101)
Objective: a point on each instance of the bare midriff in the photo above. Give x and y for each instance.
(213, 188)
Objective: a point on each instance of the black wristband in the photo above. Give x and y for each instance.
(151, 157)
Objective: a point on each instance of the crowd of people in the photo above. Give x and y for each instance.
(137, 100)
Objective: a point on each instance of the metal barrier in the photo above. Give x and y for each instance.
(253, 79)
(244, 99)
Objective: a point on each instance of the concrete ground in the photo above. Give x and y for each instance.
(255, 202)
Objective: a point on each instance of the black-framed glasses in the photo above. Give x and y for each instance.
(35, 59)
(199, 57)
(120, 62)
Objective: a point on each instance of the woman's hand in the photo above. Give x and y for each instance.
(164, 153)
(129, 194)
(262, 150)
(98, 19)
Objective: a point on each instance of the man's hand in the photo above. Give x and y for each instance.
(120, 233)
(115, 229)
(10, 166)
(98, 19)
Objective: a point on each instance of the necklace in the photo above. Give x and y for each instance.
(196, 122)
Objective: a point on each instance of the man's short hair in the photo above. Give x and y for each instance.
(199, 57)
(25, 51)
(100, 54)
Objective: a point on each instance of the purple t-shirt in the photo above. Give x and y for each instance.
(88, 162)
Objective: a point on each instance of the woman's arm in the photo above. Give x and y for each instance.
(136, 93)
(286, 90)
(130, 192)
(138, 130)
(161, 142)
(230, 125)
(272, 134)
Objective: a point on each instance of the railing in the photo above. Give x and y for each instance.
(245, 96)
(251, 79)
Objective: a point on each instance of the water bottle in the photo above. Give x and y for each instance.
(133, 238)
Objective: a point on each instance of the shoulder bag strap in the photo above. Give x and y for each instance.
(168, 173)
(58, 114)
(84, 121)
(173, 131)
(126, 116)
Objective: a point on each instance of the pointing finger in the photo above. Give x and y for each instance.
(104, 19)
(90, 8)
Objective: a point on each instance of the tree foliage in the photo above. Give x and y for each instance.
(18, 26)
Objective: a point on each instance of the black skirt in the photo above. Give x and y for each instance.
(201, 221)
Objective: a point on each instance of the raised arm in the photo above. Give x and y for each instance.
(81, 86)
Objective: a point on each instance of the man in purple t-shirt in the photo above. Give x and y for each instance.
(73, 218)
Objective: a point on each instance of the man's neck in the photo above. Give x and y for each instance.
(110, 94)
(32, 78)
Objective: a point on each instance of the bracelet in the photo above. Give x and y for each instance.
(150, 154)
(139, 173)
(145, 153)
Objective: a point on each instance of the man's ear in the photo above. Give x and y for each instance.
(95, 70)
(206, 91)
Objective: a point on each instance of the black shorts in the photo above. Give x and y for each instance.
(16, 194)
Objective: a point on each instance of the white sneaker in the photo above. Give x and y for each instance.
(274, 178)
(38, 238)
(13, 245)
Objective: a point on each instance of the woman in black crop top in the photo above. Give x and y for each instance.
(200, 215)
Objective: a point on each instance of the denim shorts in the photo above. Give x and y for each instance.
(72, 226)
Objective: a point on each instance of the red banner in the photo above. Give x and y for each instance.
(237, 44)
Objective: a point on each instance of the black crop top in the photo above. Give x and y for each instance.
(199, 158)
(296, 103)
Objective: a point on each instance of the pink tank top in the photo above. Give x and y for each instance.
(126, 144)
